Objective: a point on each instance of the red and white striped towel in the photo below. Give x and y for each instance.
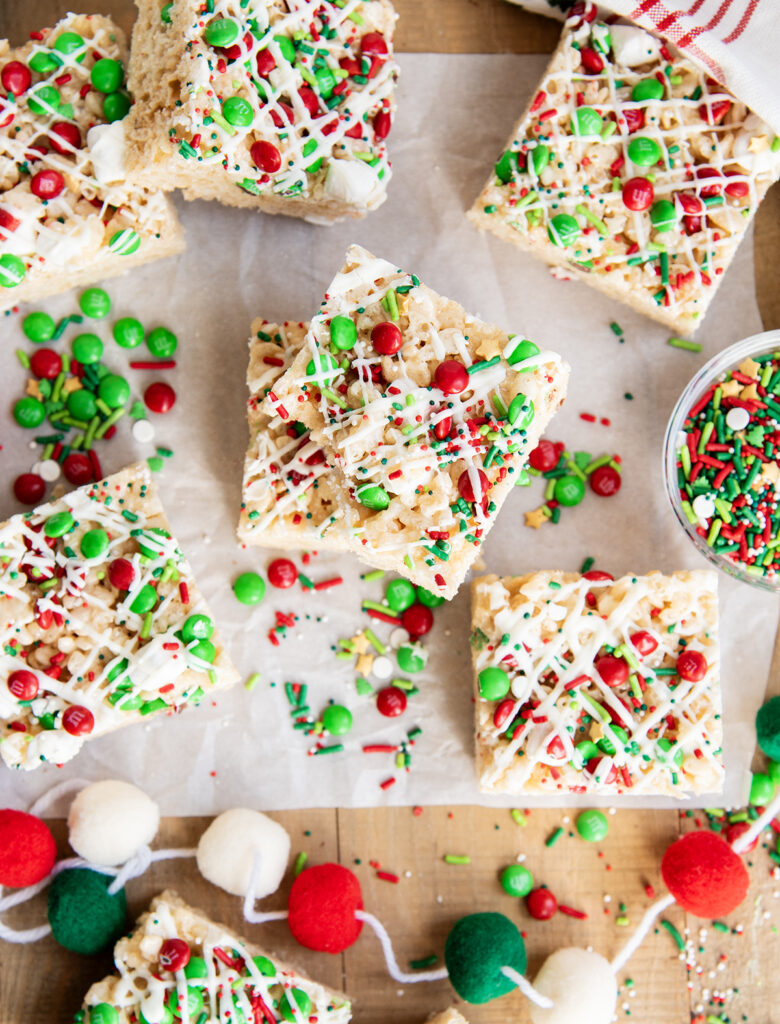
(737, 42)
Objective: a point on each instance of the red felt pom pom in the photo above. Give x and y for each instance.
(322, 905)
(704, 875)
(27, 849)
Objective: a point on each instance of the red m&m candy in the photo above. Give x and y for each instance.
(47, 184)
(638, 194)
(373, 43)
(23, 684)
(391, 702)
(612, 670)
(383, 122)
(605, 481)
(386, 339)
(644, 642)
(282, 573)
(45, 363)
(77, 469)
(29, 488)
(541, 904)
(121, 573)
(417, 620)
(544, 457)
(692, 666)
(466, 488)
(451, 377)
(174, 955)
(266, 156)
(64, 137)
(78, 720)
(16, 77)
(159, 397)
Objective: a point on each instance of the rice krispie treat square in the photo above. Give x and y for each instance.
(176, 954)
(280, 107)
(585, 684)
(291, 497)
(633, 170)
(101, 622)
(450, 1016)
(68, 214)
(427, 412)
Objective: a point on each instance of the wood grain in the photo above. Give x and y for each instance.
(44, 984)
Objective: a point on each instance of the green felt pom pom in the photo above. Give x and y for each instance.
(476, 949)
(768, 728)
(83, 916)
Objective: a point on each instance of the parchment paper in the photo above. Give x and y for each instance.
(455, 114)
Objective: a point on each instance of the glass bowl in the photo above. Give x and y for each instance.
(756, 346)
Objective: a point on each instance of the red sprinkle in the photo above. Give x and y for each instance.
(387, 783)
(388, 876)
(571, 912)
(154, 364)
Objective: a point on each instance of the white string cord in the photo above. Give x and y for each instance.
(250, 914)
(640, 934)
(527, 988)
(393, 969)
(45, 802)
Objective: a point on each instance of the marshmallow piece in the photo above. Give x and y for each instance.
(227, 850)
(351, 181)
(581, 985)
(106, 144)
(110, 821)
(632, 46)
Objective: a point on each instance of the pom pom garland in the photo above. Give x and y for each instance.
(227, 850)
(27, 849)
(476, 950)
(322, 908)
(768, 728)
(110, 821)
(705, 875)
(84, 916)
(581, 986)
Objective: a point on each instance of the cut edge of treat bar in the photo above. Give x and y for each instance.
(196, 925)
(493, 779)
(328, 532)
(157, 68)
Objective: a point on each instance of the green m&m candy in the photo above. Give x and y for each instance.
(644, 152)
(194, 1002)
(302, 1002)
(336, 719)
(43, 99)
(524, 349)
(265, 966)
(94, 543)
(540, 157)
(161, 342)
(647, 89)
(343, 332)
(569, 490)
(249, 588)
(128, 332)
(563, 230)
(505, 166)
(773, 771)
(238, 111)
(197, 627)
(144, 600)
(95, 303)
(663, 215)
(124, 242)
(221, 32)
(12, 270)
(400, 595)
(58, 525)
(107, 74)
(287, 46)
(69, 42)
(165, 1017)
(113, 390)
(662, 748)
(586, 121)
(148, 544)
(517, 880)
(81, 404)
(38, 327)
(87, 348)
(412, 658)
(203, 649)
(428, 599)
(605, 744)
(116, 106)
(493, 683)
(373, 497)
(43, 62)
(520, 412)
(103, 1013)
(585, 751)
(29, 412)
(592, 826)
(196, 968)
(325, 363)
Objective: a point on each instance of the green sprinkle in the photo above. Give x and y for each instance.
(374, 640)
(689, 346)
(252, 682)
(300, 862)
(427, 961)
(553, 839)
(453, 858)
(329, 750)
(678, 939)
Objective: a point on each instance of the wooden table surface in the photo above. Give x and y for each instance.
(44, 984)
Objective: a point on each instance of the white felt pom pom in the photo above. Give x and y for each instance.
(226, 852)
(581, 985)
(110, 820)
